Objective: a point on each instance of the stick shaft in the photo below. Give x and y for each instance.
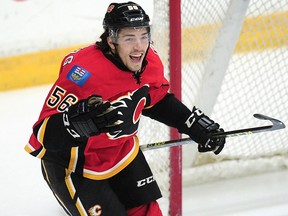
(276, 125)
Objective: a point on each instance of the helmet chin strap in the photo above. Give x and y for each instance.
(115, 54)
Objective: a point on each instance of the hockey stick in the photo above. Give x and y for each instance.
(276, 125)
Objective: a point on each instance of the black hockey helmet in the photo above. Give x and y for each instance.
(123, 15)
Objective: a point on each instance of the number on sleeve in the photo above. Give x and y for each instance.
(59, 100)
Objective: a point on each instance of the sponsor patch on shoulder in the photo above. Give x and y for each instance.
(78, 75)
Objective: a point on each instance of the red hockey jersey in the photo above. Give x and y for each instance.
(85, 72)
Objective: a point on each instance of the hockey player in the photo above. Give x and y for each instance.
(86, 132)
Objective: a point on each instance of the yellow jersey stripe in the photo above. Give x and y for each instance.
(117, 168)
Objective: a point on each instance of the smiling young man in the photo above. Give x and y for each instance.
(86, 134)
(131, 46)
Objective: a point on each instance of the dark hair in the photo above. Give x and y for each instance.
(102, 44)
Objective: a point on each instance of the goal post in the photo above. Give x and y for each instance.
(175, 201)
(240, 47)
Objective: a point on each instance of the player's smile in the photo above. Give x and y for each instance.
(136, 58)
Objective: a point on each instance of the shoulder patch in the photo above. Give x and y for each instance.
(78, 75)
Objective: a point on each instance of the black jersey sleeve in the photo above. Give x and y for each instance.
(195, 123)
(53, 134)
(169, 111)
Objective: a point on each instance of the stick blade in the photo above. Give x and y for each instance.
(277, 124)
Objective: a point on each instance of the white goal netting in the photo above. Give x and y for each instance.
(234, 64)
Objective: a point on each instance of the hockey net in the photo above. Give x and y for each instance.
(234, 64)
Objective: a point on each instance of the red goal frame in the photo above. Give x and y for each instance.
(175, 198)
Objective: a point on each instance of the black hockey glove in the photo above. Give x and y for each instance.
(90, 117)
(199, 128)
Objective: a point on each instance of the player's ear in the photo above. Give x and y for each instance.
(110, 43)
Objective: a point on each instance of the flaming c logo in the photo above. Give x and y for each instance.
(130, 107)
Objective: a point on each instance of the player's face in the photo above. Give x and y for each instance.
(131, 47)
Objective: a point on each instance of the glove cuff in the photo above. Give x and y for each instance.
(191, 125)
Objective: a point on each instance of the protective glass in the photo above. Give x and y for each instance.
(130, 39)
